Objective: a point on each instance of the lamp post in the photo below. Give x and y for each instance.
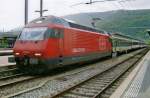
(26, 12)
(41, 8)
(41, 11)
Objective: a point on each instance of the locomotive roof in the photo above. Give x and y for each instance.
(118, 35)
(65, 22)
(50, 19)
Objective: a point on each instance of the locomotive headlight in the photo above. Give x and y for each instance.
(37, 54)
(17, 53)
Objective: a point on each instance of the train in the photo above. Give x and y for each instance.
(50, 42)
(123, 43)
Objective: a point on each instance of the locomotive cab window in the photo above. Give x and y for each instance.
(33, 33)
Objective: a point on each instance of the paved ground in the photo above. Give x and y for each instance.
(1, 51)
(4, 59)
(137, 84)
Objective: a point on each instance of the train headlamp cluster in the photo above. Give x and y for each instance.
(38, 54)
(17, 53)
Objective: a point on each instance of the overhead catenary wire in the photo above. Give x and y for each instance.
(120, 2)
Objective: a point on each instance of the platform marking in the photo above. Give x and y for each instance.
(134, 87)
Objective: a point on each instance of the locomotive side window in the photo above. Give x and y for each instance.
(55, 33)
(58, 33)
(85, 28)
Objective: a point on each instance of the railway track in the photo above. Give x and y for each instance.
(95, 87)
(10, 75)
(13, 81)
(64, 85)
(9, 72)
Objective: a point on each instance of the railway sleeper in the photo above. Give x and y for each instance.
(73, 96)
(87, 94)
(84, 90)
(100, 80)
(94, 88)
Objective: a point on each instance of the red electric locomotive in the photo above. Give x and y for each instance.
(51, 42)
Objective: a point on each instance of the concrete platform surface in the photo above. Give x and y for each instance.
(2, 51)
(137, 84)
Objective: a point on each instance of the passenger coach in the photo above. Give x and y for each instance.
(123, 43)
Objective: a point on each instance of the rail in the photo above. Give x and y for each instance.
(66, 90)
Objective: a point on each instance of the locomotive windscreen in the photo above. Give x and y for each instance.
(33, 33)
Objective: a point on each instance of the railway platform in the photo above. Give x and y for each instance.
(4, 61)
(137, 84)
(5, 52)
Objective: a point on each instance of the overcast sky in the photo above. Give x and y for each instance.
(12, 11)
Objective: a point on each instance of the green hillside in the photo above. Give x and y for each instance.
(133, 23)
(129, 22)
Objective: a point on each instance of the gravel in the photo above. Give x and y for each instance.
(56, 85)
